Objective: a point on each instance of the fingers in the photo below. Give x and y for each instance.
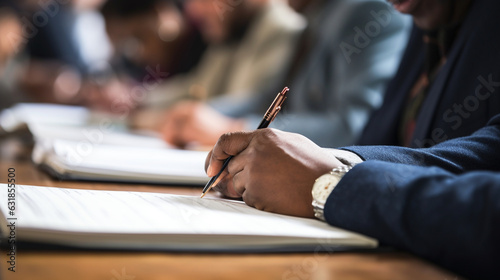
(231, 184)
(230, 144)
(239, 181)
(226, 186)
(207, 163)
(237, 170)
(174, 123)
(168, 130)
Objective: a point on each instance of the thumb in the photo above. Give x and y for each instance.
(230, 144)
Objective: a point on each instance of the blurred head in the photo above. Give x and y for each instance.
(11, 39)
(219, 20)
(140, 29)
(430, 14)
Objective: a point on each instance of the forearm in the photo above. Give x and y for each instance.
(451, 220)
(475, 152)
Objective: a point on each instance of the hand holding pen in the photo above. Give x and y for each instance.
(270, 115)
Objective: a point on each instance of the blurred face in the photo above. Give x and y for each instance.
(144, 38)
(427, 14)
(216, 19)
(11, 39)
(210, 20)
(137, 38)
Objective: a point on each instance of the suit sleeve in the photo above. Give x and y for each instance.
(452, 220)
(480, 151)
(440, 203)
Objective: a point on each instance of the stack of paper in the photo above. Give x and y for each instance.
(79, 160)
(153, 221)
(73, 143)
(25, 114)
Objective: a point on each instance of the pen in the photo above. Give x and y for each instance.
(269, 116)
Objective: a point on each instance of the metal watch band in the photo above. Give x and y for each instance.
(319, 208)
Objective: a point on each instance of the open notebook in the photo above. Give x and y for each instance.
(82, 160)
(154, 221)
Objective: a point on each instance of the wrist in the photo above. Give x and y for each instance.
(346, 157)
(324, 186)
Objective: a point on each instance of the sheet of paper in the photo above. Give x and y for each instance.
(95, 135)
(90, 211)
(63, 122)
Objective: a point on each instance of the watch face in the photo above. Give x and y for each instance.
(323, 187)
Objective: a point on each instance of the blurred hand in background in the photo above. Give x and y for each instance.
(192, 123)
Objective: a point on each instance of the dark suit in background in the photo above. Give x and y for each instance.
(56, 41)
(446, 210)
(464, 95)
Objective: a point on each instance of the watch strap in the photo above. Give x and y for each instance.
(319, 208)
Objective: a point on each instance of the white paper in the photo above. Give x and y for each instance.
(84, 160)
(26, 113)
(57, 210)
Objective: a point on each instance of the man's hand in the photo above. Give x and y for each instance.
(193, 122)
(271, 170)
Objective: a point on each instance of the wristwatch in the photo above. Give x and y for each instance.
(323, 187)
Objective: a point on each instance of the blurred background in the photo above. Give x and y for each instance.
(91, 52)
(175, 66)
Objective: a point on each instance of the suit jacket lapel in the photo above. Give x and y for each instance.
(382, 128)
(428, 112)
(397, 92)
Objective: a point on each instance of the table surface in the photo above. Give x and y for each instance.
(95, 265)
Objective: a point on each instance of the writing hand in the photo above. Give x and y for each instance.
(271, 170)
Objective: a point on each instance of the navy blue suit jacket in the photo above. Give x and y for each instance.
(441, 203)
(55, 41)
(465, 94)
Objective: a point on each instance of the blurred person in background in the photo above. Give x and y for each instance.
(56, 66)
(69, 58)
(152, 34)
(11, 58)
(337, 77)
(68, 55)
(250, 46)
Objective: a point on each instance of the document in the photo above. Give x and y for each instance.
(74, 143)
(83, 160)
(155, 221)
(51, 121)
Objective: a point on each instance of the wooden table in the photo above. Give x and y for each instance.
(96, 265)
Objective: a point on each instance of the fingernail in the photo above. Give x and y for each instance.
(209, 169)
